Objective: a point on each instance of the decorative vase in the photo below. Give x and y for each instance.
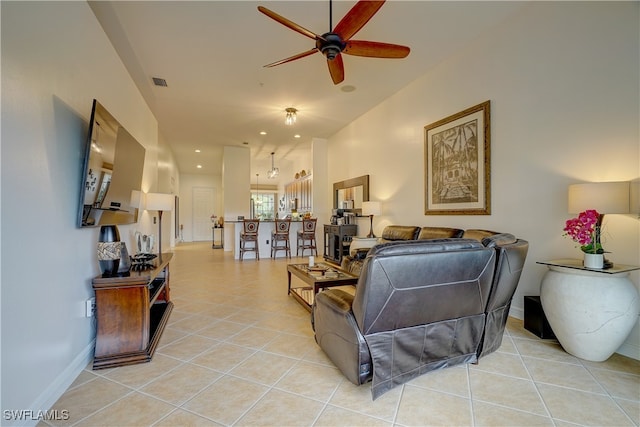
(593, 260)
(144, 242)
(125, 261)
(109, 250)
(109, 254)
(109, 233)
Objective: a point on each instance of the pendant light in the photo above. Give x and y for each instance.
(274, 172)
(258, 201)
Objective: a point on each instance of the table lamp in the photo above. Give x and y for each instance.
(371, 209)
(159, 202)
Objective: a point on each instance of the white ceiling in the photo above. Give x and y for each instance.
(212, 54)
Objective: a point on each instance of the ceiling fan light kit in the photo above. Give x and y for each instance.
(338, 40)
(291, 116)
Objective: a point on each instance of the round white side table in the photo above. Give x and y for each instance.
(590, 311)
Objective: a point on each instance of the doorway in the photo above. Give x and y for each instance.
(203, 199)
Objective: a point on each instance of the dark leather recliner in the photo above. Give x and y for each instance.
(419, 306)
(393, 233)
(511, 253)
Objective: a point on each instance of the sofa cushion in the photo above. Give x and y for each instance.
(439, 233)
(424, 246)
(478, 234)
(352, 265)
(500, 239)
(400, 232)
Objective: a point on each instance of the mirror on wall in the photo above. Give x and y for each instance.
(350, 194)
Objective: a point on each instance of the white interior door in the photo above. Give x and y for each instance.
(203, 205)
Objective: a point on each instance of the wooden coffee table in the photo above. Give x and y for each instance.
(322, 276)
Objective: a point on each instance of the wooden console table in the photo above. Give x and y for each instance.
(132, 313)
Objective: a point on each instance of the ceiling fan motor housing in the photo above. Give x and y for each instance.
(338, 39)
(330, 44)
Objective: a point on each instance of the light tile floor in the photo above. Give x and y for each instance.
(239, 351)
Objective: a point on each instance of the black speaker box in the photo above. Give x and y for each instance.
(534, 319)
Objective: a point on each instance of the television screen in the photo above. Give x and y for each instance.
(112, 169)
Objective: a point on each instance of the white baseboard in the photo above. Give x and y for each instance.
(517, 312)
(51, 394)
(629, 350)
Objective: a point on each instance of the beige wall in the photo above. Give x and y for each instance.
(55, 60)
(562, 78)
(563, 82)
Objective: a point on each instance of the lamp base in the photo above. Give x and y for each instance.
(160, 235)
(371, 235)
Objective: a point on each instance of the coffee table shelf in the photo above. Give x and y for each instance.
(323, 276)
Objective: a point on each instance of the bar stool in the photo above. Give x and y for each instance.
(281, 234)
(249, 234)
(307, 236)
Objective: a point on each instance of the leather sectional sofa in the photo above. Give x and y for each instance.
(394, 233)
(420, 305)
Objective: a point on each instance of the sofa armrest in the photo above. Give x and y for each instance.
(337, 333)
(353, 264)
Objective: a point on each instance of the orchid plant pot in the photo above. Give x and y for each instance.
(593, 260)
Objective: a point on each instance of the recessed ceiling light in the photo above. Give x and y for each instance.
(199, 166)
(296, 136)
(197, 151)
(348, 88)
(263, 133)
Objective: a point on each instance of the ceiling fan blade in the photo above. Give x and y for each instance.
(293, 58)
(336, 69)
(287, 23)
(375, 49)
(356, 18)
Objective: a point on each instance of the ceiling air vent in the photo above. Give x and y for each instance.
(159, 82)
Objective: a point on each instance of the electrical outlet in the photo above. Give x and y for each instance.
(90, 307)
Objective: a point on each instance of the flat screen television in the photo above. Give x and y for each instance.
(112, 169)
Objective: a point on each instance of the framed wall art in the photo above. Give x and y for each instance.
(457, 166)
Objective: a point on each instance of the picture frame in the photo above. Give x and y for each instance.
(457, 163)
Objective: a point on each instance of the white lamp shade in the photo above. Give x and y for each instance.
(634, 198)
(604, 197)
(159, 202)
(371, 208)
(136, 198)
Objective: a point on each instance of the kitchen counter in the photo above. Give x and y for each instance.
(234, 229)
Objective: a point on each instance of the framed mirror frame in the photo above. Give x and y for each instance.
(349, 183)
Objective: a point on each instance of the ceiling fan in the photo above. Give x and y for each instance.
(338, 39)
